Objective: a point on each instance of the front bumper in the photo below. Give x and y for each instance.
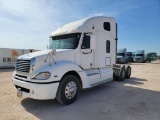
(120, 61)
(138, 60)
(41, 91)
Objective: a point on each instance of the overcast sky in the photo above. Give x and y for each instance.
(26, 24)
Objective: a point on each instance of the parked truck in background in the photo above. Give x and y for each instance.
(129, 57)
(122, 56)
(81, 55)
(139, 56)
(151, 56)
(8, 56)
(133, 56)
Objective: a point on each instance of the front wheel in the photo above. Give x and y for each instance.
(68, 89)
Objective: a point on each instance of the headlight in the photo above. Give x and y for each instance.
(42, 76)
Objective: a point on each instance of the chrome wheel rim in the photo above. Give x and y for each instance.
(70, 90)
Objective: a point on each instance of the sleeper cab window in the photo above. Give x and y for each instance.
(107, 46)
(107, 26)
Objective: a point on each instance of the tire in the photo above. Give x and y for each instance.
(128, 72)
(122, 75)
(114, 77)
(68, 90)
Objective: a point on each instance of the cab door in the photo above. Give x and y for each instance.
(86, 53)
(87, 59)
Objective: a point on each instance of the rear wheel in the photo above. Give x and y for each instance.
(68, 90)
(128, 72)
(122, 75)
(114, 77)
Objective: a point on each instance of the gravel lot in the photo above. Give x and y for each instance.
(137, 98)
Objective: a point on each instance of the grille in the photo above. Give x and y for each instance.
(21, 76)
(118, 59)
(138, 59)
(23, 65)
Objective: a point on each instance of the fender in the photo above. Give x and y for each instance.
(58, 70)
(62, 67)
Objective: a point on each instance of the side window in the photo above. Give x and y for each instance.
(107, 26)
(86, 42)
(107, 46)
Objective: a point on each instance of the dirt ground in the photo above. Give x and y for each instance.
(137, 98)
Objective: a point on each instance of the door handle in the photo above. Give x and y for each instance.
(87, 52)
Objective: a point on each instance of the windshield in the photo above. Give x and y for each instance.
(133, 53)
(139, 54)
(120, 54)
(129, 54)
(152, 54)
(69, 41)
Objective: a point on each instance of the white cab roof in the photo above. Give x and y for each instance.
(77, 26)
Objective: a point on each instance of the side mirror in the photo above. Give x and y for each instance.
(93, 41)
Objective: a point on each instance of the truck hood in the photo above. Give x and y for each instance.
(42, 55)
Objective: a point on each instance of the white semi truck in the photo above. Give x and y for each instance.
(81, 55)
(122, 56)
(139, 56)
